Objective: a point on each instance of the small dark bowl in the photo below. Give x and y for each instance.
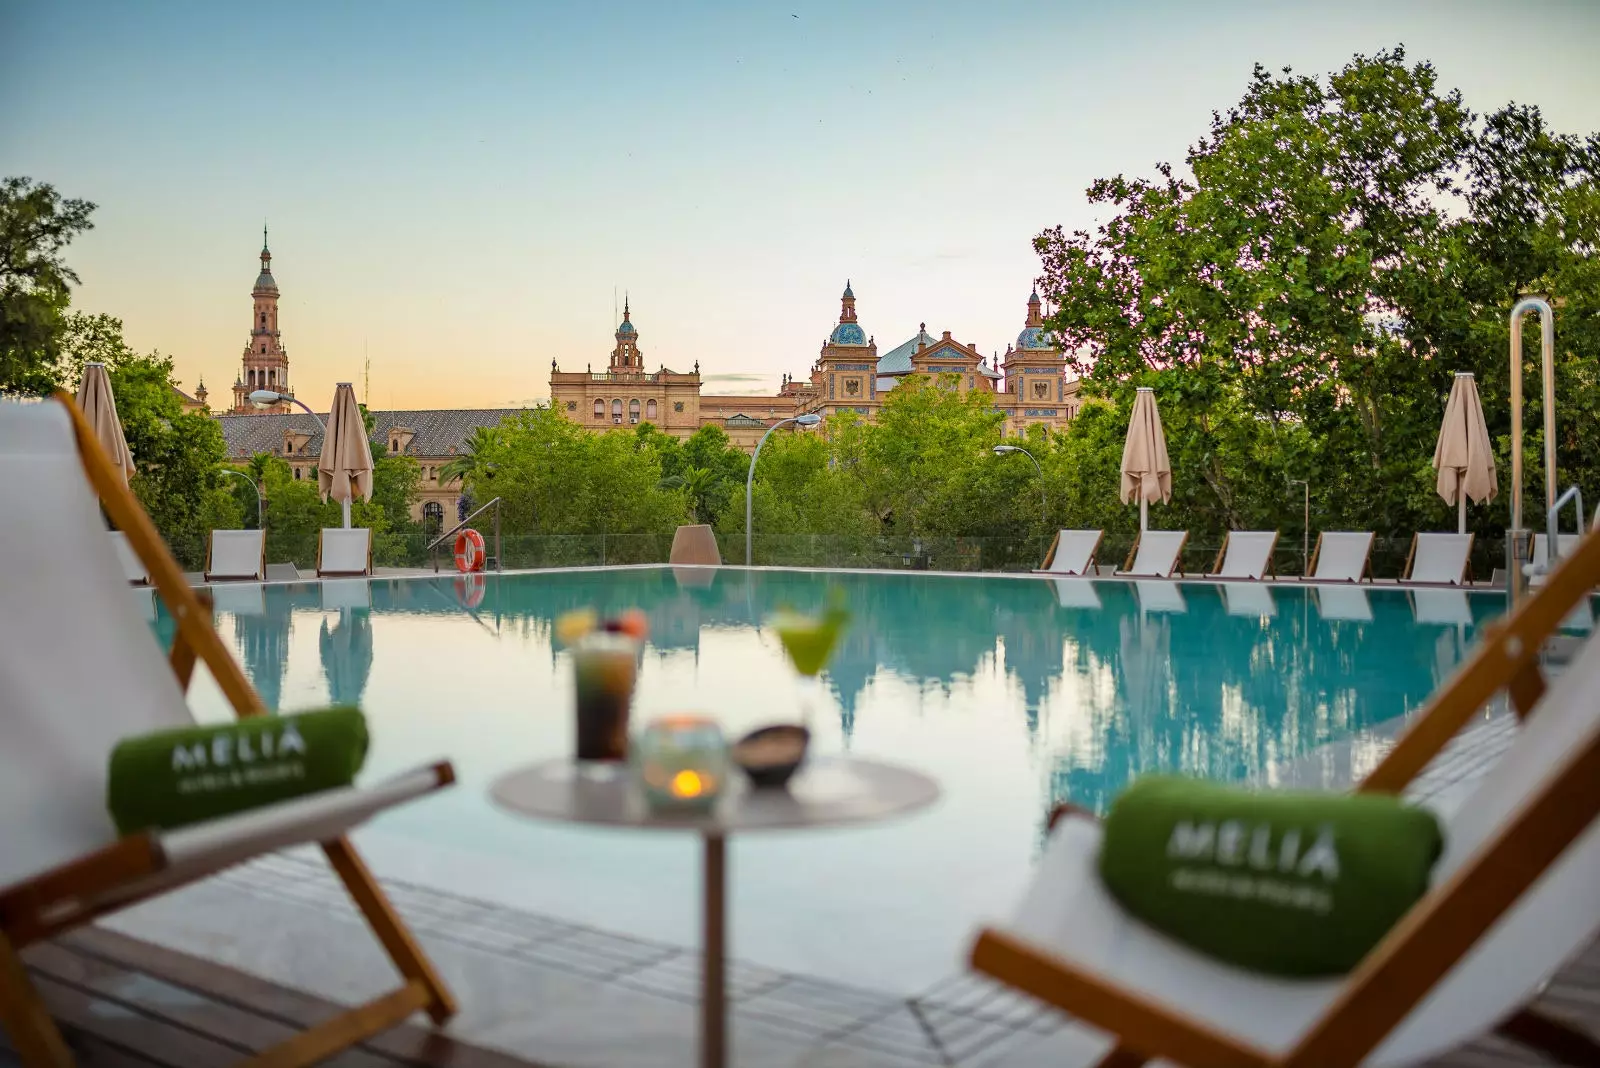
(771, 773)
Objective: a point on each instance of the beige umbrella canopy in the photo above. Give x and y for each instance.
(1146, 471)
(1463, 456)
(344, 470)
(99, 407)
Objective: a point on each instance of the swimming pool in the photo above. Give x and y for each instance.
(1012, 691)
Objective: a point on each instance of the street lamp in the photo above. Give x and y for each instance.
(259, 495)
(809, 419)
(1305, 533)
(1044, 501)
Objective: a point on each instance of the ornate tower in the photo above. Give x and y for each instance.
(846, 367)
(626, 357)
(1035, 368)
(266, 362)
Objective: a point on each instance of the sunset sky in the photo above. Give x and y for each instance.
(457, 190)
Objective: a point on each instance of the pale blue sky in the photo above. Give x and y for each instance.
(459, 188)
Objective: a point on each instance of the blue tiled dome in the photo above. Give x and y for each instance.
(626, 328)
(264, 280)
(1034, 337)
(848, 334)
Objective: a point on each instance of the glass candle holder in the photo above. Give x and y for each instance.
(605, 667)
(682, 763)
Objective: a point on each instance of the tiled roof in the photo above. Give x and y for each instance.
(437, 431)
(897, 361)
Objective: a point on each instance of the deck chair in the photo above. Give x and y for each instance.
(133, 568)
(1072, 552)
(1516, 894)
(1342, 556)
(1539, 552)
(344, 551)
(81, 670)
(237, 554)
(1076, 593)
(1249, 599)
(1245, 554)
(1441, 559)
(1156, 553)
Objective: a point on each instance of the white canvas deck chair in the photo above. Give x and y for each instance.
(1441, 559)
(81, 670)
(133, 568)
(1072, 552)
(1539, 552)
(1342, 556)
(344, 551)
(1245, 554)
(1156, 553)
(1514, 896)
(237, 554)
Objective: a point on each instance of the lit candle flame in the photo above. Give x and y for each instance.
(687, 783)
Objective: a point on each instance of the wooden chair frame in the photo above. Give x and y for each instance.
(206, 573)
(1177, 560)
(1055, 543)
(339, 574)
(1316, 551)
(1411, 557)
(81, 890)
(1222, 554)
(1433, 936)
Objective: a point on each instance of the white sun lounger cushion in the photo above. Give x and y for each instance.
(1343, 556)
(1249, 553)
(1441, 558)
(1073, 551)
(237, 554)
(1158, 552)
(345, 551)
(1068, 913)
(133, 569)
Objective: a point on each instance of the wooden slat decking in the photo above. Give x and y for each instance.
(124, 1003)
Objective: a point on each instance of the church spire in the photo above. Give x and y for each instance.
(847, 304)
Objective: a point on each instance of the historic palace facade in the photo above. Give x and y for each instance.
(1029, 383)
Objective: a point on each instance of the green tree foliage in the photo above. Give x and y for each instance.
(36, 224)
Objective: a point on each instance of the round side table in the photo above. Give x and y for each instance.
(827, 792)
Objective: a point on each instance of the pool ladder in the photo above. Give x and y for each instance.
(1517, 539)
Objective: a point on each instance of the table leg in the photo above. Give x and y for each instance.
(713, 989)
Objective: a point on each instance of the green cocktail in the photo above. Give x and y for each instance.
(808, 639)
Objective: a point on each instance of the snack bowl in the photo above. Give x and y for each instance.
(771, 755)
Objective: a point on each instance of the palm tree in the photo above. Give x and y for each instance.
(700, 484)
(473, 458)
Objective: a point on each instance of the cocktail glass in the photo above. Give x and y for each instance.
(605, 667)
(808, 640)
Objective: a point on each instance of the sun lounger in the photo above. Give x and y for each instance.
(1076, 593)
(1072, 552)
(1539, 554)
(1245, 554)
(1249, 599)
(344, 551)
(133, 569)
(237, 554)
(1514, 896)
(144, 599)
(1342, 556)
(82, 671)
(1160, 597)
(1344, 602)
(1438, 558)
(1156, 553)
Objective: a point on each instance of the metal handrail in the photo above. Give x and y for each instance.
(453, 531)
(1547, 345)
(1552, 553)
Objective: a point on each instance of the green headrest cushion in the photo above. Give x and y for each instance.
(178, 777)
(1286, 882)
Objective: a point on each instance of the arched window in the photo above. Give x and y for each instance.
(633, 410)
(263, 318)
(263, 348)
(433, 515)
(599, 408)
(650, 408)
(616, 408)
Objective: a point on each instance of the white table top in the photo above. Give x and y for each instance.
(826, 791)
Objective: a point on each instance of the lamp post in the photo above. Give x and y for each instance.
(1305, 531)
(809, 419)
(260, 525)
(265, 398)
(1044, 501)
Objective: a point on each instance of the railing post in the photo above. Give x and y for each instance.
(499, 551)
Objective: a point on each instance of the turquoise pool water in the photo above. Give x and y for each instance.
(1012, 691)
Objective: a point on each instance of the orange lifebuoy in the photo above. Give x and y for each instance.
(470, 589)
(470, 552)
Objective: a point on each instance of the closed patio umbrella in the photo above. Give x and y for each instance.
(1146, 471)
(99, 407)
(1463, 456)
(344, 470)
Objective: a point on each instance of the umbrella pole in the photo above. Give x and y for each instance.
(1461, 507)
(347, 513)
(1144, 512)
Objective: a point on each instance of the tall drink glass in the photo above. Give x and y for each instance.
(605, 667)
